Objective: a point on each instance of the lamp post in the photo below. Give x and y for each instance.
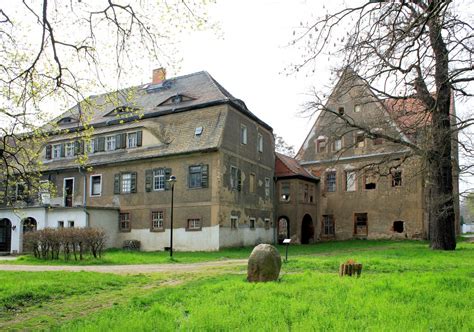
(172, 181)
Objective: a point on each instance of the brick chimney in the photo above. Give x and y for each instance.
(159, 75)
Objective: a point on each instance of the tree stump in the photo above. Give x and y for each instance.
(350, 268)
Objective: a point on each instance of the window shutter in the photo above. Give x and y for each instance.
(48, 151)
(117, 184)
(167, 177)
(101, 144)
(96, 145)
(77, 148)
(139, 138)
(62, 150)
(133, 182)
(239, 180)
(123, 140)
(204, 176)
(148, 180)
(118, 141)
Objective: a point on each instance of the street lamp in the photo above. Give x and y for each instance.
(172, 181)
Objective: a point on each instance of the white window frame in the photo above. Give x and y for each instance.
(56, 153)
(126, 183)
(243, 134)
(348, 175)
(191, 224)
(69, 149)
(110, 143)
(338, 145)
(260, 142)
(159, 218)
(132, 140)
(91, 191)
(159, 174)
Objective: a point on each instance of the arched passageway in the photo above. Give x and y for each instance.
(307, 229)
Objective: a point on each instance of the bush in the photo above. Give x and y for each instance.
(48, 243)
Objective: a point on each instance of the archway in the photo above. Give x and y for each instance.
(5, 235)
(283, 229)
(29, 225)
(307, 229)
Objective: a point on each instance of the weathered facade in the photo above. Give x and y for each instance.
(220, 153)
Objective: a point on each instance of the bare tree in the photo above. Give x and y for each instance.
(53, 53)
(419, 52)
(282, 147)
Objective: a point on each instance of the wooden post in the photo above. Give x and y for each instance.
(350, 268)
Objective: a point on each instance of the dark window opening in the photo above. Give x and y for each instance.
(396, 178)
(360, 224)
(398, 226)
(341, 110)
(360, 140)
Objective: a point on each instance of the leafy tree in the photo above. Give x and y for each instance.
(416, 51)
(56, 52)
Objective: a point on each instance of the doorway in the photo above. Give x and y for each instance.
(29, 225)
(307, 229)
(68, 191)
(5, 235)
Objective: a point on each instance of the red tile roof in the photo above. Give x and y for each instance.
(286, 167)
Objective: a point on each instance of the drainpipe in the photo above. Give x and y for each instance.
(84, 194)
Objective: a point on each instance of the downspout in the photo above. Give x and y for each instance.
(84, 194)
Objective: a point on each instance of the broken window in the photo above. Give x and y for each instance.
(285, 192)
(234, 222)
(360, 224)
(350, 180)
(321, 144)
(360, 140)
(331, 181)
(398, 226)
(252, 223)
(328, 225)
(396, 178)
(370, 181)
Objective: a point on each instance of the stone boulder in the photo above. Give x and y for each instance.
(264, 264)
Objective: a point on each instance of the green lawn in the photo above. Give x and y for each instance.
(122, 257)
(404, 286)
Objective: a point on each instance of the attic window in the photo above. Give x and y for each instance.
(198, 131)
(120, 110)
(177, 99)
(66, 120)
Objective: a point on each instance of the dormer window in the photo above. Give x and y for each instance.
(321, 143)
(122, 110)
(176, 99)
(66, 120)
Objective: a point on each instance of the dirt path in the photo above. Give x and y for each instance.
(129, 269)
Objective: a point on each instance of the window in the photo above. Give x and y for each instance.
(243, 134)
(370, 182)
(159, 179)
(267, 223)
(360, 140)
(69, 149)
(252, 223)
(132, 139)
(306, 193)
(260, 143)
(337, 145)
(350, 181)
(267, 187)
(328, 225)
(96, 185)
(340, 110)
(157, 220)
(321, 144)
(311, 193)
(109, 143)
(285, 192)
(126, 183)
(124, 222)
(357, 108)
(194, 224)
(396, 178)
(331, 181)
(252, 183)
(56, 151)
(234, 178)
(60, 224)
(198, 131)
(43, 192)
(198, 176)
(91, 146)
(70, 223)
(398, 226)
(234, 222)
(360, 224)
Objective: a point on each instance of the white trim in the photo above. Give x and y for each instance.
(90, 185)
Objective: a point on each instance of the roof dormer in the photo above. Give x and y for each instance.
(66, 120)
(176, 99)
(123, 110)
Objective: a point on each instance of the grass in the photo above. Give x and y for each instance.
(123, 257)
(403, 286)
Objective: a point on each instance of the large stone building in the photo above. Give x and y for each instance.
(221, 154)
